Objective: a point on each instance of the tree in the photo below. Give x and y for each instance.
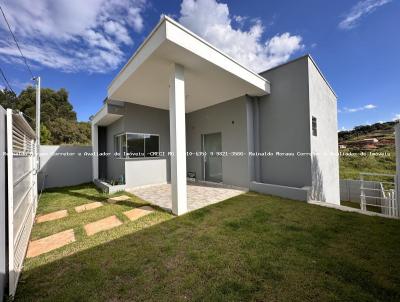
(7, 98)
(59, 124)
(45, 135)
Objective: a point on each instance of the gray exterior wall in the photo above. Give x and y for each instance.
(285, 126)
(3, 205)
(61, 171)
(230, 119)
(299, 92)
(324, 146)
(115, 166)
(138, 172)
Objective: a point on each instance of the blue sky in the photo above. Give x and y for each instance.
(81, 45)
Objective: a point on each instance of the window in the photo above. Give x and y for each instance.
(152, 145)
(134, 145)
(314, 126)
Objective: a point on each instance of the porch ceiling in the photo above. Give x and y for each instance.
(211, 77)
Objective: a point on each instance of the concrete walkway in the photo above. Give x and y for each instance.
(200, 194)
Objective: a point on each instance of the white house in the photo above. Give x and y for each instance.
(182, 106)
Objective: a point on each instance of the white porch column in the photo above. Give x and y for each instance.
(177, 128)
(95, 147)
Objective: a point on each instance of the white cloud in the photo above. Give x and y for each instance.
(396, 117)
(357, 109)
(358, 11)
(369, 106)
(71, 35)
(211, 20)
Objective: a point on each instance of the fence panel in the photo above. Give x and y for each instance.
(350, 190)
(22, 192)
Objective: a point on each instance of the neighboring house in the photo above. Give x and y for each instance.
(273, 132)
(365, 144)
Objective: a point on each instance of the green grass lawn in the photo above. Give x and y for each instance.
(248, 248)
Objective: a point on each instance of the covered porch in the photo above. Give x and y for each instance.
(176, 70)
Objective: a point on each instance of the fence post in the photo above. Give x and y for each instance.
(10, 202)
(362, 199)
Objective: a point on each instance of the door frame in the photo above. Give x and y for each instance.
(203, 158)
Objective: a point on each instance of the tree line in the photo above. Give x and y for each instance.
(58, 124)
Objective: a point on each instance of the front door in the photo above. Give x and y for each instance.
(212, 161)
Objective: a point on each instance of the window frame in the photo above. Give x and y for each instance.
(126, 145)
(314, 126)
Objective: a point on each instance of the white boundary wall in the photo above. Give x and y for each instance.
(65, 165)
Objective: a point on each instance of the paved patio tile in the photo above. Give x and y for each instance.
(198, 194)
(50, 243)
(102, 225)
(119, 198)
(51, 216)
(138, 212)
(88, 206)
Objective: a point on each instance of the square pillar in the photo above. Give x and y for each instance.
(95, 147)
(177, 128)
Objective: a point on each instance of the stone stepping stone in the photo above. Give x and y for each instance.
(88, 206)
(138, 212)
(51, 216)
(50, 243)
(119, 198)
(102, 225)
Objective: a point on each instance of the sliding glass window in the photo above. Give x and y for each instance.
(136, 145)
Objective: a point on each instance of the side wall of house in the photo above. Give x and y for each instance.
(115, 166)
(228, 118)
(324, 146)
(284, 126)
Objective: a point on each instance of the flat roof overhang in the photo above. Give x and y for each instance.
(211, 77)
(108, 114)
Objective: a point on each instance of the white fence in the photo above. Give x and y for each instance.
(22, 192)
(387, 200)
(350, 190)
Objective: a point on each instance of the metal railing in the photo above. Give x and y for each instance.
(382, 200)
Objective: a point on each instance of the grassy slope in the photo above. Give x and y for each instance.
(350, 167)
(251, 247)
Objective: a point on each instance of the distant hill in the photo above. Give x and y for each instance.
(380, 131)
(379, 155)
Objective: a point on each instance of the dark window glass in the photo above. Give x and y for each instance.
(151, 145)
(314, 126)
(117, 145)
(135, 145)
